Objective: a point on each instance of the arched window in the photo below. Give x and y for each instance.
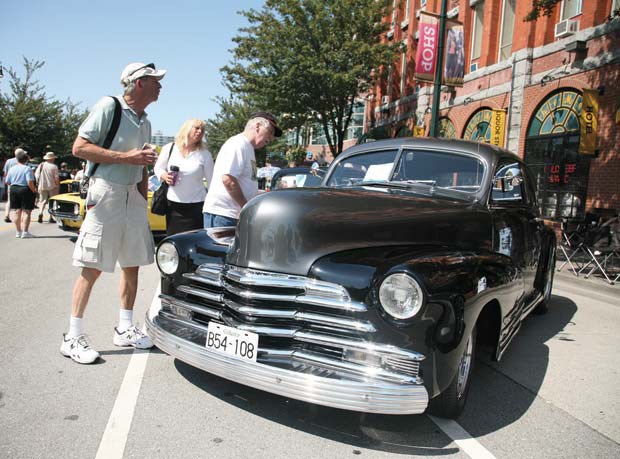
(478, 127)
(446, 128)
(551, 152)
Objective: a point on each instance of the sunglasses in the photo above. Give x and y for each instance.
(150, 66)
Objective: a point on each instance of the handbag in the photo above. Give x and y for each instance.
(159, 201)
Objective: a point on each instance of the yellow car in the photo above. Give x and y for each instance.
(69, 211)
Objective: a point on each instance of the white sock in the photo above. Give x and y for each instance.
(76, 327)
(125, 317)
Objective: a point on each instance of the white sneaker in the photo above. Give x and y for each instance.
(18, 234)
(78, 348)
(27, 235)
(132, 337)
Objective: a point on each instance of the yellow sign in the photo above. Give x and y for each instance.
(588, 121)
(498, 127)
(419, 131)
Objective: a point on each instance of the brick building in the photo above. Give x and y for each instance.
(537, 73)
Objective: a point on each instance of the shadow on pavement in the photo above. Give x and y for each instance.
(495, 399)
(412, 435)
(502, 392)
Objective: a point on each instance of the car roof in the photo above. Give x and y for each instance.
(486, 151)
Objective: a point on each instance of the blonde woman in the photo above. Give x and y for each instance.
(184, 165)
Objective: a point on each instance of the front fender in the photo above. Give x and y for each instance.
(457, 284)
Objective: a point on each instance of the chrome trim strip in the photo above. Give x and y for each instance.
(202, 279)
(301, 316)
(66, 216)
(372, 396)
(216, 297)
(209, 312)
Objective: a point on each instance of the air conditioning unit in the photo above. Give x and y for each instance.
(566, 27)
(385, 100)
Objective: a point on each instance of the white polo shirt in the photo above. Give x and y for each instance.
(236, 158)
(133, 132)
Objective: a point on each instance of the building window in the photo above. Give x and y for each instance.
(393, 14)
(615, 8)
(508, 20)
(551, 153)
(570, 8)
(403, 71)
(476, 42)
(478, 127)
(446, 129)
(422, 3)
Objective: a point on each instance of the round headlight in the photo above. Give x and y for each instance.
(401, 296)
(167, 258)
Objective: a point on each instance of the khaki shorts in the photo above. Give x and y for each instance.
(45, 195)
(116, 228)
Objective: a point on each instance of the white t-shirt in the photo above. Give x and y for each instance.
(193, 168)
(236, 158)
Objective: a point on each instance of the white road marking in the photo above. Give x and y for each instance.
(114, 437)
(462, 438)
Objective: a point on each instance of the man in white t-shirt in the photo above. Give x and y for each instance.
(234, 179)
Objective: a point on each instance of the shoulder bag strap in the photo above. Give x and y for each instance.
(116, 121)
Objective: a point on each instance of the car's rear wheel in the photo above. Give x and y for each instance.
(543, 306)
(451, 402)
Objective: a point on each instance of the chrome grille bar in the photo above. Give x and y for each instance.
(292, 314)
(216, 297)
(318, 293)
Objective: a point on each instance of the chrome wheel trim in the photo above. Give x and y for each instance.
(464, 369)
(549, 277)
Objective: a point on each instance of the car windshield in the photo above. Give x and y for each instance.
(433, 169)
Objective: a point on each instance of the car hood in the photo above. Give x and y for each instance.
(288, 230)
(69, 197)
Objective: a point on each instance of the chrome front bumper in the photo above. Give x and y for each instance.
(368, 397)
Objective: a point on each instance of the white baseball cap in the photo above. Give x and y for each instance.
(137, 70)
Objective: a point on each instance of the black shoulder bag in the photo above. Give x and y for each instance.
(159, 202)
(116, 121)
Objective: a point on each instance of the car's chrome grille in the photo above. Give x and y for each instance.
(62, 207)
(313, 320)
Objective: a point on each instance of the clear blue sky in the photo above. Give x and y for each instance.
(86, 44)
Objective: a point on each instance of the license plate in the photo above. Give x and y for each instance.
(236, 343)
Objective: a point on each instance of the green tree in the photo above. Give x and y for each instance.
(28, 118)
(311, 59)
(540, 7)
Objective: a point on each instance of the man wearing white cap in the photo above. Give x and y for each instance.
(7, 167)
(48, 182)
(116, 228)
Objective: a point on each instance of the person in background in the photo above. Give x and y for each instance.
(23, 194)
(234, 175)
(63, 173)
(116, 228)
(7, 167)
(79, 175)
(192, 163)
(48, 183)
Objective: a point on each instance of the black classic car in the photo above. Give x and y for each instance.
(372, 292)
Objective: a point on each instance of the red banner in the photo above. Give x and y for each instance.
(454, 54)
(426, 57)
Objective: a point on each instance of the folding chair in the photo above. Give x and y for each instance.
(606, 258)
(573, 245)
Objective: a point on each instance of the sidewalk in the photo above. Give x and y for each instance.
(593, 287)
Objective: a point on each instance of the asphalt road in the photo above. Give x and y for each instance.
(553, 395)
